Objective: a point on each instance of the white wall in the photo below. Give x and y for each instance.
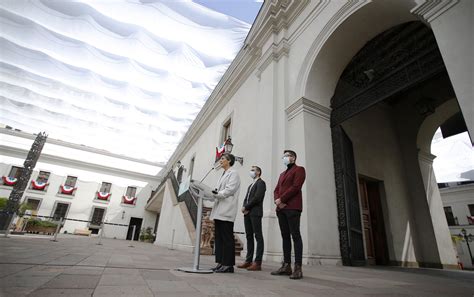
(82, 203)
(458, 198)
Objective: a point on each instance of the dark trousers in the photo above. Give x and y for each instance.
(289, 220)
(224, 243)
(253, 227)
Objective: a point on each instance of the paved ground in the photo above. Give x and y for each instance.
(77, 266)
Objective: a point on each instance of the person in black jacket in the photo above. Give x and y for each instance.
(253, 211)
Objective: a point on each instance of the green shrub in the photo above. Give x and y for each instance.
(146, 235)
(40, 223)
(3, 202)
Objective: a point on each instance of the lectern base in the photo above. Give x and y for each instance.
(193, 270)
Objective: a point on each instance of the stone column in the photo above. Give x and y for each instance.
(452, 25)
(310, 133)
(435, 205)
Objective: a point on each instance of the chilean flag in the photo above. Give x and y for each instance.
(129, 200)
(9, 181)
(67, 189)
(103, 195)
(38, 185)
(220, 151)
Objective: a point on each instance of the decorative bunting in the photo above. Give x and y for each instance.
(129, 200)
(37, 185)
(9, 181)
(103, 195)
(220, 151)
(67, 189)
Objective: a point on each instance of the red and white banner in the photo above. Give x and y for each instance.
(9, 181)
(38, 185)
(103, 195)
(220, 151)
(129, 200)
(67, 189)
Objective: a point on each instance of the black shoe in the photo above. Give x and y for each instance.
(218, 266)
(225, 269)
(285, 269)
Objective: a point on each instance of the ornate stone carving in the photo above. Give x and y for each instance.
(17, 193)
(392, 62)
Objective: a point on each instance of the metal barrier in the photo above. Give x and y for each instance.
(62, 220)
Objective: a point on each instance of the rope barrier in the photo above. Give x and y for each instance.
(78, 220)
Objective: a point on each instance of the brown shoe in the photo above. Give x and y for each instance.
(256, 266)
(297, 272)
(244, 265)
(285, 269)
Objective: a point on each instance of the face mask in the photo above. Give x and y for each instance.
(252, 174)
(286, 160)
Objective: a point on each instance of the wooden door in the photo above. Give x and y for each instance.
(366, 222)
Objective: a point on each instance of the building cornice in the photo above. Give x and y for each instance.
(458, 189)
(57, 160)
(429, 10)
(305, 105)
(25, 135)
(272, 18)
(426, 157)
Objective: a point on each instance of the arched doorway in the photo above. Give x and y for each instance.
(388, 88)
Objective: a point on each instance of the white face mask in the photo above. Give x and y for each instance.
(252, 174)
(286, 160)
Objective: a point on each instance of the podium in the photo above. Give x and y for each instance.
(200, 192)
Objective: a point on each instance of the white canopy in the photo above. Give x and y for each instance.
(125, 76)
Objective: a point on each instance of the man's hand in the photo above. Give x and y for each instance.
(281, 205)
(278, 201)
(243, 210)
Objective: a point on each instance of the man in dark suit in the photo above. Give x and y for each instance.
(253, 212)
(289, 202)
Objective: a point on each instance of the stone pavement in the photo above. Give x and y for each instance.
(77, 266)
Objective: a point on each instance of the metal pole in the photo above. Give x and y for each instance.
(197, 245)
(100, 235)
(57, 229)
(172, 240)
(469, 248)
(133, 236)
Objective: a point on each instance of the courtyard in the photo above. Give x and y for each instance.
(78, 266)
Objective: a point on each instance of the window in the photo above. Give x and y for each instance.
(60, 211)
(191, 167)
(43, 177)
(226, 130)
(97, 216)
(33, 204)
(131, 192)
(471, 209)
(449, 216)
(15, 172)
(71, 181)
(105, 188)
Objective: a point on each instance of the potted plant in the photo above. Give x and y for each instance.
(146, 235)
(39, 226)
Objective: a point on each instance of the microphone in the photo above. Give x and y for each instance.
(207, 174)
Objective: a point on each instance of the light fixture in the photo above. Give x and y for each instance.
(228, 146)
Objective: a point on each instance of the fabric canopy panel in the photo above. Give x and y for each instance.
(126, 76)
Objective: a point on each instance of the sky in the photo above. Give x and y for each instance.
(126, 76)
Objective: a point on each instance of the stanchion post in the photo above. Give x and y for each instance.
(57, 229)
(101, 233)
(133, 236)
(172, 240)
